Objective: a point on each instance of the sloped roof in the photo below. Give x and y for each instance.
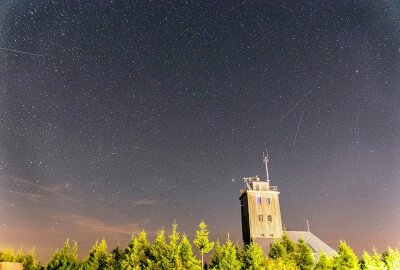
(313, 242)
(264, 243)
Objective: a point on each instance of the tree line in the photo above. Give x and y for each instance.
(175, 251)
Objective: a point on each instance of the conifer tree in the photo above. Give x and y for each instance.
(202, 242)
(117, 255)
(97, 259)
(65, 258)
(7, 255)
(225, 257)
(239, 251)
(277, 250)
(373, 262)
(173, 249)
(136, 254)
(186, 255)
(289, 245)
(280, 264)
(286, 250)
(346, 259)
(216, 256)
(253, 258)
(305, 258)
(392, 259)
(324, 262)
(274, 264)
(291, 249)
(159, 249)
(28, 260)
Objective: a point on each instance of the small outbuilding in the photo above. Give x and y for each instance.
(11, 266)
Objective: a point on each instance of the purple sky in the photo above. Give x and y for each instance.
(118, 117)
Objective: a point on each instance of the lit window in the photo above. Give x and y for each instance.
(267, 200)
(270, 218)
(260, 217)
(258, 199)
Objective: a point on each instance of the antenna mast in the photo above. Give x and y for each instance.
(265, 160)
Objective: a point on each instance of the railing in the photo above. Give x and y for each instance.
(271, 188)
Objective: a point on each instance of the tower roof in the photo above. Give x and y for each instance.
(316, 244)
(255, 183)
(313, 242)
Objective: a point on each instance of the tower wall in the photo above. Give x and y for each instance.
(265, 217)
(261, 215)
(244, 208)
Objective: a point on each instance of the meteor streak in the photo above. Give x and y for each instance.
(17, 51)
(295, 105)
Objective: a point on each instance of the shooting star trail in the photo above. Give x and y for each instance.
(358, 116)
(356, 126)
(298, 127)
(295, 105)
(17, 51)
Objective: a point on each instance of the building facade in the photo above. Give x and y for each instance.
(261, 217)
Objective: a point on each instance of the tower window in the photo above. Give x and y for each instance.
(269, 218)
(258, 199)
(267, 200)
(260, 218)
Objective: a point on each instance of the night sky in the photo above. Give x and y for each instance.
(120, 116)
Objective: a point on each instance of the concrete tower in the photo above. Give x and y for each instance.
(261, 214)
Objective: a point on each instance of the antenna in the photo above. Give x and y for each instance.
(265, 160)
(308, 226)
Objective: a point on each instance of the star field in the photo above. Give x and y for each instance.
(120, 116)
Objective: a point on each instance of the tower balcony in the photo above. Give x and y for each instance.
(273, 188)
(256, 184)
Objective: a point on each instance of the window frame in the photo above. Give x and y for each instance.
(258, 199)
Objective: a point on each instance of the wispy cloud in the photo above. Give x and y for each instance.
(38, 192)
(33, 197)
(145, 202)
(57, 197)
(95, 225)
